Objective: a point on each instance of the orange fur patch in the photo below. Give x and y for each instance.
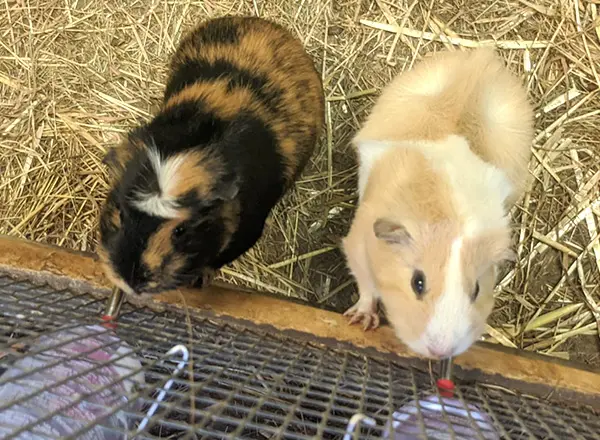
(115, 217)
(197, 172)
(160, 245)
(230, 216)
(405, 183)
(290, 72)
(491, 247)
(109, 270)
(458, 109)
(217, 98)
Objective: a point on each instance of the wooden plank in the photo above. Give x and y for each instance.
(540, 374)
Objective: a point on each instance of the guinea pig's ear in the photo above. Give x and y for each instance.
(112, 161)
(110, 157)
(227, 188)
(391, 232)
(117, 155)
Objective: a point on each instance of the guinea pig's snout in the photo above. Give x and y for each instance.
(439, 351)
(137, 277)
(141, 278)
(445, 347)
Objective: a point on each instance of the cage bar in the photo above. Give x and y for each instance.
(258, 368)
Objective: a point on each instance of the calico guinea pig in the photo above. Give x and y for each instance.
(190, 190)
(443, 156)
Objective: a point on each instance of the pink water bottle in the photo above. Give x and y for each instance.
(51, 402)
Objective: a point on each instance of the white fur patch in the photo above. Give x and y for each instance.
(498, 108)
(369, 153)
(157, 206)
(162, 204)
(449, 325)
(479, 189)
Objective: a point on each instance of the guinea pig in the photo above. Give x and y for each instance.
(443, 156)
(191, 189)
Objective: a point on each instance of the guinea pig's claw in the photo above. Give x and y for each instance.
(208, 275)
(370, 318)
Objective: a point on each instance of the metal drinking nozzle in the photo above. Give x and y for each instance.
(446, 368)
(113, 305)
(445, 383)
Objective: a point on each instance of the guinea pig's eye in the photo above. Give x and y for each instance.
(121, 216)
(178, 231)
(418, 283)
(476, 291)
(146, 273)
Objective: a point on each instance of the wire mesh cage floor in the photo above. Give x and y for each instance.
(242, 381)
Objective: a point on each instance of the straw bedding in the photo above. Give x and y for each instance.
(76, 74)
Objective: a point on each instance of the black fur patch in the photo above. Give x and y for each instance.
(180, 127)
(200, 70)
(251, 150)
(128, 244)
(218, 31)
(107, 227)
(138, 176)
(201, 243)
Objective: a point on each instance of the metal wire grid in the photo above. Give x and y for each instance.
(246, 383)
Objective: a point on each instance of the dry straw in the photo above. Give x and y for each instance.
(75, 75)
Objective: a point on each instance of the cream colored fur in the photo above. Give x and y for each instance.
(443, 155)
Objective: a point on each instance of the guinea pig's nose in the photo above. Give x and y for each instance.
(439, 352)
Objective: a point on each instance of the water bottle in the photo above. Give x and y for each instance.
(62, 404)
(406, 422)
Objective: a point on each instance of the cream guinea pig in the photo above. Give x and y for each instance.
(190, 190)
(443, 156)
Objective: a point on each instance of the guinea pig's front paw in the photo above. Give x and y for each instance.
(365, 312)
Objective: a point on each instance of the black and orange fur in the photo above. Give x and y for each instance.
(244, 106)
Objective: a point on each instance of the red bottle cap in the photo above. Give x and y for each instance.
(446, 387)
(109, 322)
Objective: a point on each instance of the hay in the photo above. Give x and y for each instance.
(75, 75)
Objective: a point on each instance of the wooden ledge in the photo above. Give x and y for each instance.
(536, 374)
